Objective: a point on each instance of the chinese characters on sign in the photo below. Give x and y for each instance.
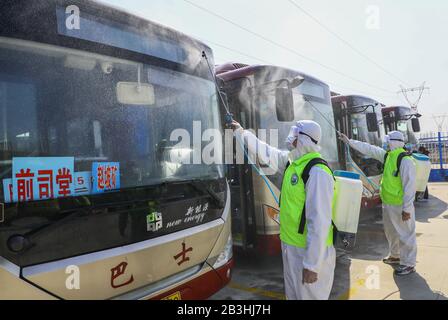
(42, 178)
(106, 176)
(117, 272)
(46, 178)
(7, 190)
(196, 213)
(183, 254)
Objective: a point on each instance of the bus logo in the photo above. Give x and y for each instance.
(118, 271)
(183, 254)
(154, 221)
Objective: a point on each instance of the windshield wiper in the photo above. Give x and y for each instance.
(200, 185)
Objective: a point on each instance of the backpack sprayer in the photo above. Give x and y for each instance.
(347, 147)
(346, 204)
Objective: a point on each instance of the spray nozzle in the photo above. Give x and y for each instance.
(228, 118)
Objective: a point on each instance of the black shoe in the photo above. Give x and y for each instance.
(404, 270)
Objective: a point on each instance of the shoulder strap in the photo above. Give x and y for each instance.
(399, 160)
(310, 165)
(284, 172)
(305, 177)
(385, 157)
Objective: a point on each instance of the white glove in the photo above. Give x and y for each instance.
(235, 126)
(343, 138)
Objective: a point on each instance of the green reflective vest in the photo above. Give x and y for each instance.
(391, 186)
(293, 197)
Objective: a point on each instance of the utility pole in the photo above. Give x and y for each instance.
(439, 120)
(413, 103)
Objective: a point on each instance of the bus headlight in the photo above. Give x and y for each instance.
(272, 213)
(225, 255)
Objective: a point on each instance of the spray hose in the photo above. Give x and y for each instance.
(355, 167)
(259, 171)
(347, 149)
(228, 121)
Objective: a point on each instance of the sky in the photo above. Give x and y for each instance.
(367, 47)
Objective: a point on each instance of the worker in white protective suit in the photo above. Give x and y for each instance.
(397, 194)
(306, 230)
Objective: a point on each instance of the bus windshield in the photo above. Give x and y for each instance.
(359, 121)
(60, 102)
(400, 119)
(308, 97)
(404, 125)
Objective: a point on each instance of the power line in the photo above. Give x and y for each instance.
(352, 90)
(284, 47)
(237, 51)
(413, 103)
(439, 120)
(346, 42)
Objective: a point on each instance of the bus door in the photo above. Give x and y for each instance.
(342, 123)
(240, 172)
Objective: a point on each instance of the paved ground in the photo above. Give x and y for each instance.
(361, 274)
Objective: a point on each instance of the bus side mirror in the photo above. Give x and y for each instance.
(372, 122)
(415, 125)
(284, 104)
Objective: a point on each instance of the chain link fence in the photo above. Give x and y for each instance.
(436, 144)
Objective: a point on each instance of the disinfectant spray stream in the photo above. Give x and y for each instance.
(347, 149)
(228, 121)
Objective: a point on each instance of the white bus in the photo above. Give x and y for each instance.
(352, 113)
(92, 206)
(255, 103)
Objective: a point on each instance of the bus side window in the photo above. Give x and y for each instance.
(18, 101)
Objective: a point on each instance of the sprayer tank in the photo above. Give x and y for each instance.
(347, 204)
(423, 170)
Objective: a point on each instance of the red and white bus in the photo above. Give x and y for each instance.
(251, 93)
(92, 206)
(351, 113)
(402, 118)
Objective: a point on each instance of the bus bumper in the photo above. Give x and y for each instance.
(202, 287)
(269, 244)
(370, 202)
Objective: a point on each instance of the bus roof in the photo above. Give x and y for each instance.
(340, 98)
(232, 71)
(137, 16)
(392, 108)
(44, 21)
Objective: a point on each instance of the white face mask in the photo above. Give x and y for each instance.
(292, 136)
(296, 152)
(290, 142)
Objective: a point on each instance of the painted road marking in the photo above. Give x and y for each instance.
(352, 290)
(260, 292)
(349, 294)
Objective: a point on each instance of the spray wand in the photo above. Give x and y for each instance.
(228, 120)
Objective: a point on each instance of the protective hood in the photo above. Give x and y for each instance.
(394, 140)
(308, 134)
